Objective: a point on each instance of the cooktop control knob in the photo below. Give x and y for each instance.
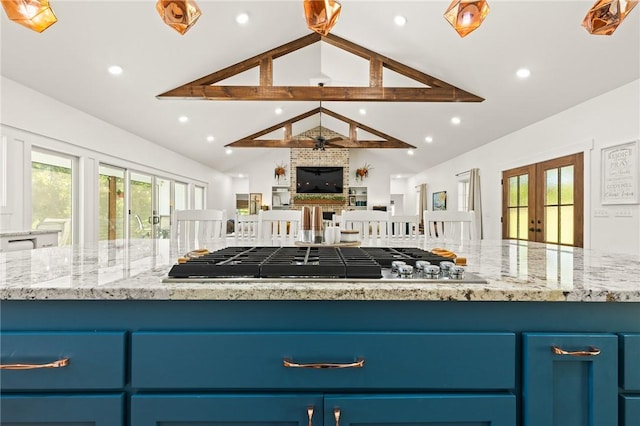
(456, 273)
(445, 266)
(405, 270)
(431, 271)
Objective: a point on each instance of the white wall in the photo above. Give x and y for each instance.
(610, 119)
(32, 119)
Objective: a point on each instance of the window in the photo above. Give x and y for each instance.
(463, 194)
(198, 201)
(52, 192)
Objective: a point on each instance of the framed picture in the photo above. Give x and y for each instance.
(439, 200)
(620, 175)
(352, 200)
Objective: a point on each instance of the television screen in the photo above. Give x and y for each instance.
(319, 180)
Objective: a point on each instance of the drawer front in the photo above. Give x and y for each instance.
(96, 360)
(77, 410)
(215, 409)
(421, 409)
(215, 360)
(630, 362)
(630, 410)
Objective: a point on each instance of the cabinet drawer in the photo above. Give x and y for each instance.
(95, 409)
(630, 362)
(630, 410)
(226, 409)
(252, 360)
(421, 409)
(96, 360)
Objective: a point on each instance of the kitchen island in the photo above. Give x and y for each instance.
(552, 338)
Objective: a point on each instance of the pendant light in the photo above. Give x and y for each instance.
(36, 15)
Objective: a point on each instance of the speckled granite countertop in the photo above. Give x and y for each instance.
(514, 271)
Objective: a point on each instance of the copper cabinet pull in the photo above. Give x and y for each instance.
(310, 414)
(336, 415)
(290, 364)
(593, 351)
(55, 364)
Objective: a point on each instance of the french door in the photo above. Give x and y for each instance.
(544, 201)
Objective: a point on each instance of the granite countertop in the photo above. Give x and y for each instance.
(514, 271)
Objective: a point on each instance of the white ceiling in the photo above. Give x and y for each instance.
(69, 62)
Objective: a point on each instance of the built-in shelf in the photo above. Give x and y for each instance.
(357, 198)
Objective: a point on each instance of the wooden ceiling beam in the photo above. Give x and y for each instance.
(326, 93)
(309, 143)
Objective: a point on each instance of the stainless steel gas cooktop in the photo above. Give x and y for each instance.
(325, 263)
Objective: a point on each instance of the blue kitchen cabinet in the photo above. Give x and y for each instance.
(62, 378)
(630, 379)
(570, 379)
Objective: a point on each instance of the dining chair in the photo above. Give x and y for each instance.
(450, 226)
(55, 224)
(372, 224)
(403, 227)
(246, 228)
(198, 229)
(279, 227)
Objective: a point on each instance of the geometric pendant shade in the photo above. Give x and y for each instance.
(606, 15)
(33, 14)
(466, 15)
(178, 14)
(321, 15)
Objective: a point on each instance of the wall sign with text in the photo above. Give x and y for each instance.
(620, 174)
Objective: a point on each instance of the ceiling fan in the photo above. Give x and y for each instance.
(320, 142)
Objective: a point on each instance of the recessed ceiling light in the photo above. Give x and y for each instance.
(278, 111)
(523, 73)
(363, 111)
(229, 151)
(400, 20)
(242, 18)
(410, 152)
(428, 139)
(399, 177)
(210, 138)
(183, 119)
(115, 70)
(240, 175)
(455, 120)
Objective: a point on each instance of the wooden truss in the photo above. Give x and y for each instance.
(435, 90)
(290, 141)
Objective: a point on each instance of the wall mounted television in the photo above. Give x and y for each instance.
(318, 180)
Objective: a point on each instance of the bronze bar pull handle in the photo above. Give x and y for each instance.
(55, 364)
(593, 351)
(336, 415)
(290, 364)
(310, 414)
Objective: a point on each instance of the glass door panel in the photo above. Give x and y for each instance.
(543, 202)
(111, 207)
(162, 210)
(52, 194)
(141, 215)
(181, 201)
(198, 198)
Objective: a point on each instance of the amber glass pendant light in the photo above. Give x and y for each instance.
(179, 14)
(466, 15)
(321, 15)
(33, 14)
(605, 15)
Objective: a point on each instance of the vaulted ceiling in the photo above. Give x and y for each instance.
(69, 62)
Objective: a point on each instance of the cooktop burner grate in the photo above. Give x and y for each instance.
(298, 262)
